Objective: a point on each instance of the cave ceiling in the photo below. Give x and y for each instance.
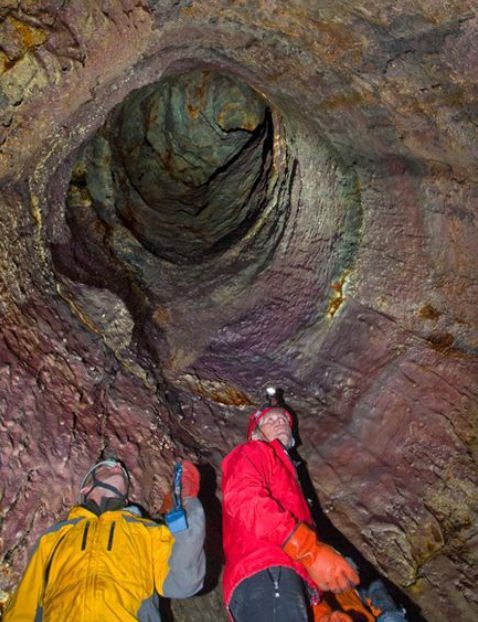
(200, 199)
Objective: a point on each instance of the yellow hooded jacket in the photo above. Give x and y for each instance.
(107, 568)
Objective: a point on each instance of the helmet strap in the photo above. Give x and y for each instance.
(97, 483)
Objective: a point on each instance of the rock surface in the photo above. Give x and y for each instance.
(199, 199)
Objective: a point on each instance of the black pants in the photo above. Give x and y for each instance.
(274, 595)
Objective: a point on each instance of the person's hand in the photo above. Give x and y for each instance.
(330, 571)
(327, 568)
(191, 480)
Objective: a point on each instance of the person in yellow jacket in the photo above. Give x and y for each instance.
(106, 563)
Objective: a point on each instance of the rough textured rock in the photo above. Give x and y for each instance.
(199, 199)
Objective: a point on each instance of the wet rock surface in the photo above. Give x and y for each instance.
(200, 199)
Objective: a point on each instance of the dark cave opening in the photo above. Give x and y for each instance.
(183, 164)
(193, 180)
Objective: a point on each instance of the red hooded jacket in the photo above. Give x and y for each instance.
(262, 504)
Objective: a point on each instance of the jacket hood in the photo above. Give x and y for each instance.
(256, 416)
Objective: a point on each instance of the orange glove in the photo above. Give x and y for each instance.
(167, 503)
(190, 481)
(350, 601)
(323, 613)
(327, 568)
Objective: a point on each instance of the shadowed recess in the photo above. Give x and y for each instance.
(183, 163)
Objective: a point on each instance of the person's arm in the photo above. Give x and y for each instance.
(247, 497)
(25, 605)
(181, 572)
(187, 562)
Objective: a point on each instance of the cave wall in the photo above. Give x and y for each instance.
(351, 280)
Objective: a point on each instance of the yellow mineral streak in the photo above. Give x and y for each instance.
(338, 294)
(21, 37)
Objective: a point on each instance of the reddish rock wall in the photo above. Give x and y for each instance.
(354, 287)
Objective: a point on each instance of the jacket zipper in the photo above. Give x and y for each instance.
(85, 536)
(110, 539)
(50, 561)
(275, 581)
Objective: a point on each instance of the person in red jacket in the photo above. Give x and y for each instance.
(275, 567)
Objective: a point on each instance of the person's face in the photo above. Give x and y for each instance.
(111, 475)
(275, 425)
